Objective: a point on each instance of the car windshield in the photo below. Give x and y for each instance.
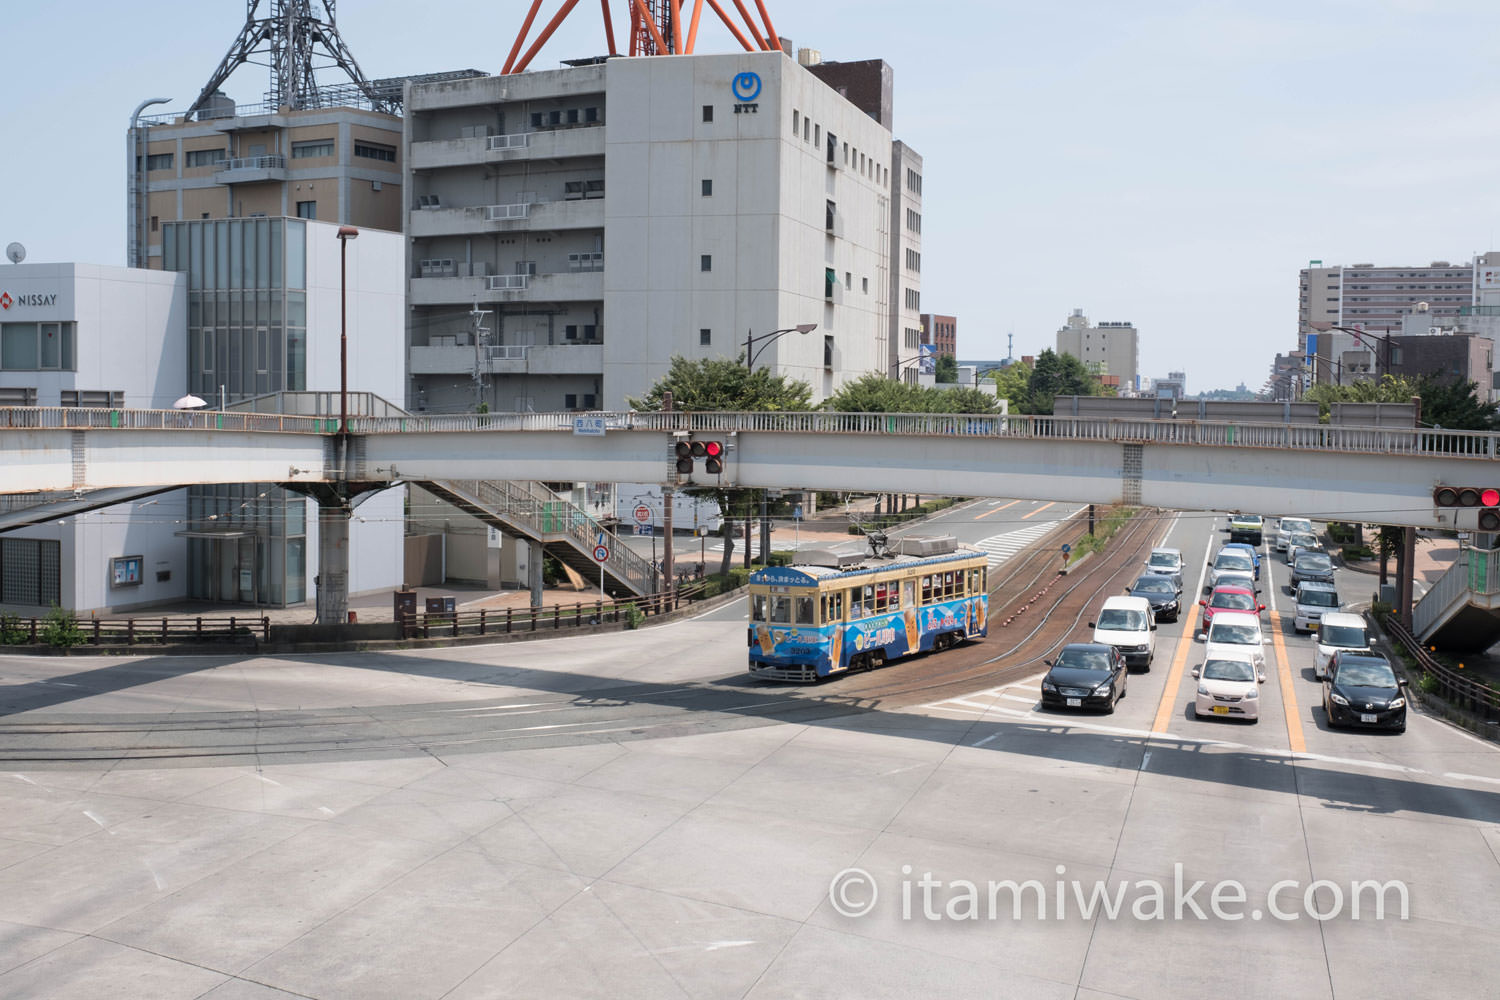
(1232, 561)
(1238, 634)
(1366, 673)
(1084, 659)
(1228, 670)
(1230, 601)
(1165, 560)
(1154, 585)
(1344, 636)
(1246, 519)
(1314, 561)
(1318, 598)
(1305, 540)
(1122, 619)
(1295, 524)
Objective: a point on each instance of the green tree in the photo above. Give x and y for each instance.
(1453, 405)
(1013, 383)
(946, 368)
(964, 399)
(1386, 389)
(873, 392)
(1057, 375)
(721, 384)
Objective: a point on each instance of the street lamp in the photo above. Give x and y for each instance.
(766, 338)
(1360, 335)
(346, 233)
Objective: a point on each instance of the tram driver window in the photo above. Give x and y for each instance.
(781, 610)
(806, 611)
(758, 607)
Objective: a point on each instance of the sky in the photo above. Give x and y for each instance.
(1170, 164)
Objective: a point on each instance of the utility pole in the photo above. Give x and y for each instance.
(481, 341)
(666, 516)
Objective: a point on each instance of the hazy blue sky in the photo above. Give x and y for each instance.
(1169, 163)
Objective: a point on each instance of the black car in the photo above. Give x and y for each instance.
(1085, 675)
(1161, 592)
(1360, 689)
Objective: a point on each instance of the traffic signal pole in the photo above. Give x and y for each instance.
(666, 516)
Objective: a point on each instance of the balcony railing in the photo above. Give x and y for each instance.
(516, 140)
(253, 163)
(499, 213)
(507, 282)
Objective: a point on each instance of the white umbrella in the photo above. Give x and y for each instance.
(188, 402)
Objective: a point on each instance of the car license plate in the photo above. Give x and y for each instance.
(1074, 702)
(1221, 709)
(1364, 717)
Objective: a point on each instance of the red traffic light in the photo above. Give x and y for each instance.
(1489, 497)
(714, 463)
(1466, 496)
(713, 449)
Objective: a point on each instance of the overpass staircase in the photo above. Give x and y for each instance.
(531, 510)
(1462, 610)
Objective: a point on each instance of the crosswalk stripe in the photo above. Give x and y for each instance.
(1001, 547)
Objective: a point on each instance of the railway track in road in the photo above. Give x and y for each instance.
(1043, 608)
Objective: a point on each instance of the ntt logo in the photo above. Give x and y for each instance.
(746, 86)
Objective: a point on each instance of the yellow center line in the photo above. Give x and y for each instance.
(996, 510)
(1288, 688)
(1049, 503)
(1174, 677)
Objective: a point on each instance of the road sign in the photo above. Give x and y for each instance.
(644, 529)
(1067, 547)
(590, 426)
(642, 514)
(797, 512)
(601, 539)
(601, 553)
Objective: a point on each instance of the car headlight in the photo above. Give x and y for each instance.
(1104, 688)
(1338, 699)
(1252, 695)
(1397, 703)
(1203, 690)
(1049, 686)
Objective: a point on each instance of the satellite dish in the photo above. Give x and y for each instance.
(16, 252)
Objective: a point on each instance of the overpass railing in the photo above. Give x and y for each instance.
(1223, 434)
(89, 418)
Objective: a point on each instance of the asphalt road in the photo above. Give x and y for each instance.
(629, 815)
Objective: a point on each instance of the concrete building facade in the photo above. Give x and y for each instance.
(941, 332)
(340, 164)
(1109, 349)
(555, 264)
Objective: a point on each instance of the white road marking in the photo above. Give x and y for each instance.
(1001, 547)
(1470, 777)
(987, 739)
(269, 781)
(1145, 759)
(1016, 697)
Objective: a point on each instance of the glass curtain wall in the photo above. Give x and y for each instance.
(247, 336)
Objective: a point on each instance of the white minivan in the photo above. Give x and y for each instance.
(1127, 624)
(1338, 630)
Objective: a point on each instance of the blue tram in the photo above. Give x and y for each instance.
(840, 612)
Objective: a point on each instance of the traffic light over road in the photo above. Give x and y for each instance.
(1477, 507)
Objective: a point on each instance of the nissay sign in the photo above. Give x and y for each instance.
(8, 301)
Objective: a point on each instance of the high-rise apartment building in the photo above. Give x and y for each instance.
(1376, 298)
(555, 264)
(941, 332)
(1109, 349)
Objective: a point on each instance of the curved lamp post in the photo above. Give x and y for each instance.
(765, 339)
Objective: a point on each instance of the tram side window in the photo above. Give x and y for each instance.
(757, 607)
(948, 584)
(781, 610)
(926, 590)
(976, 580)
(856, 602)
(807, 611)
(834, 605)
(885, 598)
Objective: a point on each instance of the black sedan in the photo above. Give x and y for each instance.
(1161, 592)
(1085, 675)
(1360, 689)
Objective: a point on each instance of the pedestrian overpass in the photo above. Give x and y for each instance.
(1372, 474)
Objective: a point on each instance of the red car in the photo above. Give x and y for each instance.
(1230, 599)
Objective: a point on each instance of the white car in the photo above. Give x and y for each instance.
(1286, 526)
(1128, 624)
(1338, 630)
(1228, 685)
(1235, 633)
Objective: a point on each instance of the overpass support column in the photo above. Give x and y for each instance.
(534, 572)
(333, 561)
(1404, 586)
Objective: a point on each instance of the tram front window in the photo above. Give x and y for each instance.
(806, 611)
(758, 607)
(781, 610)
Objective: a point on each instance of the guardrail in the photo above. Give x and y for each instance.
(1304, 437)
(131, 631)
(1459, 691)
(90, 418)
(438, 625)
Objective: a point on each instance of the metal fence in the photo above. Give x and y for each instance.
(439, 625)
(130, 631)
(1457, 690)
(91, 418)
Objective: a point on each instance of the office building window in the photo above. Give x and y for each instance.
(708, 187)
(28, 347)
(372, 151)
(204, 157)
(590, 115)
(705, 338)
(796, 122)
(313, 148)
(30, 571)
(706, 262)
(708, 112)
(159, 161)
(307, 210)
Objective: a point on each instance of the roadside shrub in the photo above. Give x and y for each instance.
(11, 631)
(1428, 683)
(61, 629)
(634, 616)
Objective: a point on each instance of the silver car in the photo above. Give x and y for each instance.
(1166, 562)
(1287, 526)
